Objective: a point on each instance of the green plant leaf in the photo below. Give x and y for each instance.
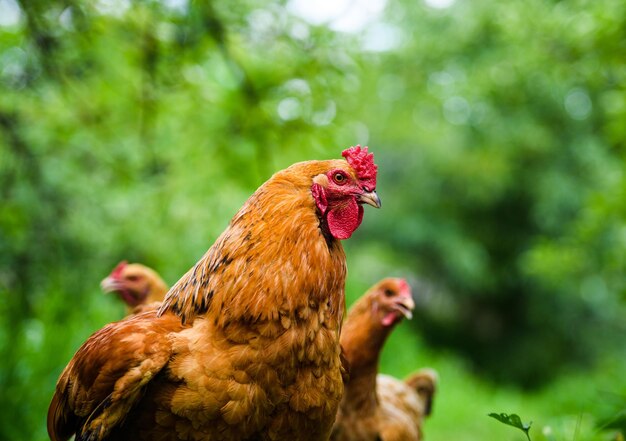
(512, 420)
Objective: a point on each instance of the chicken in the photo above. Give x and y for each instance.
(246, 344)
(140, 287)
(404, 404)
(378, 407)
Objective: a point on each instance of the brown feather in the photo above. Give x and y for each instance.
(244, 346)
(378, 407)
(255, 245)
(107, 375)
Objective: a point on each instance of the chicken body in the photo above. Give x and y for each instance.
(404, 404)
(140, 287)
(246, 344)
(378, 407)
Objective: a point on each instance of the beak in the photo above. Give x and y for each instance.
(405, 306)
(109, 284)
(369, 198)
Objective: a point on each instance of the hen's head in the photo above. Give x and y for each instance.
(136, 284)
(341, 191)
(391, 301)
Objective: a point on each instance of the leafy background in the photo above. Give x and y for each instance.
(135, 130)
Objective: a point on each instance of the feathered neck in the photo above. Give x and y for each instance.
(271, 260)
(362, 339)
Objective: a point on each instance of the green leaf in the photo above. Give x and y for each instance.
(512, 420)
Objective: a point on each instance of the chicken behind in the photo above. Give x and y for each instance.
(377, 407)
(140, 287)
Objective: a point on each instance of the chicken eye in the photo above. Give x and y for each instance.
(133, 278)
(339, 178)
(389, 293)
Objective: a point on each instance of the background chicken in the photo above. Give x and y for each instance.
(246, 344)
(375, 406)
(139, 286)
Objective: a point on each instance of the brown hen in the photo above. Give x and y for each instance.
(246, 344)
(378, 407)
(140, 287)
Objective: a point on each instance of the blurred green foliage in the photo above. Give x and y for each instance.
(135, 130)
(503, 119)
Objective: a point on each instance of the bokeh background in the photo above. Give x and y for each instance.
(135, 129)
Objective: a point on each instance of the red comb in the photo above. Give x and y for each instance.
(404, 286)
(117, 271)
(363, 164)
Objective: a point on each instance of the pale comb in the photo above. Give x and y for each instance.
(117, 271)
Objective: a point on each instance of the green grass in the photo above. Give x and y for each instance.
(567, 410)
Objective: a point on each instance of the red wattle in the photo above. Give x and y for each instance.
(344, 219)
(390, 319)
(130, 299)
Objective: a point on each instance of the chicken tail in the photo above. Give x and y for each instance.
(424, 382)
(59, 428)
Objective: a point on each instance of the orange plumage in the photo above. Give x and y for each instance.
(246, 345)
(378, 407)
(139, 286)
